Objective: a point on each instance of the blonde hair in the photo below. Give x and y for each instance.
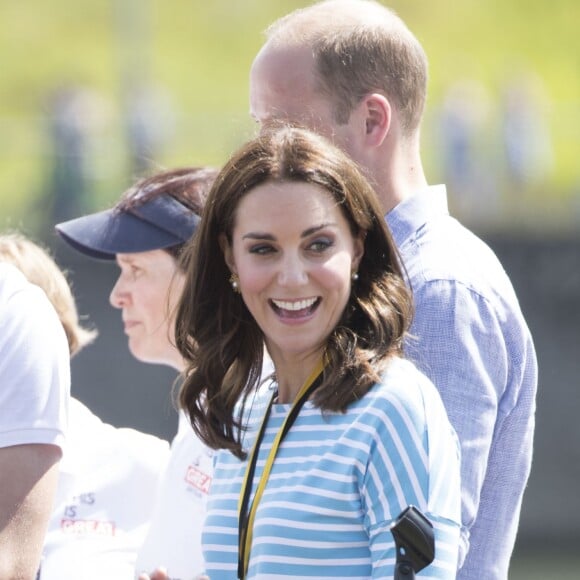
(40, 269)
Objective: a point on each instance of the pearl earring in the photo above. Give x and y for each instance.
(354, 276)
(235, 282)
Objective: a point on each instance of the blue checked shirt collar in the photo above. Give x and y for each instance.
(405, 219)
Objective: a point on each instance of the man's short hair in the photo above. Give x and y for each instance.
(359, 47)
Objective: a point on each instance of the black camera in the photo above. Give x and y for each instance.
(415, 543)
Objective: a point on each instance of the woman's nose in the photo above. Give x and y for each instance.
(119, 295)
(292, 272)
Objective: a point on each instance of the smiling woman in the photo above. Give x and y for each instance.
(293, 254)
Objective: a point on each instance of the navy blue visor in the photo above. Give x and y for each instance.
(159, 223)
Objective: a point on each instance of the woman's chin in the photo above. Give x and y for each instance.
(138, 351)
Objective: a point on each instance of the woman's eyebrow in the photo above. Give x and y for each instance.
(123, 259)
(314, 229)
(258, 236)
(270, 237)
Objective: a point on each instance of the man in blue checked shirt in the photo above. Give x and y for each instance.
(352, 70)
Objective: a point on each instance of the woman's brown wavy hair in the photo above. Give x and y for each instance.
(216, 334)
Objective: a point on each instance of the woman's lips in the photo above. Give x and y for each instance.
(295, 309)
(129, 324)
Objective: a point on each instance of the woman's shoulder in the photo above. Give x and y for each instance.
(405, 389)
(402, 377)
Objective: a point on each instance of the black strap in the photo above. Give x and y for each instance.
(244, 511)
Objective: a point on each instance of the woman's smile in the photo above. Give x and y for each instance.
(294, 253)
(295, 310)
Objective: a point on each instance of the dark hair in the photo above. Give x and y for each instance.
(188, 185)
(216, 334)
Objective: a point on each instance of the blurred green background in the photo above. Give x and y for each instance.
(95, 93)
(175, 72)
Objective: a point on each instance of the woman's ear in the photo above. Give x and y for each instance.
(358, 250)
(228, 253)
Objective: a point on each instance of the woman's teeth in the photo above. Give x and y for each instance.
(296, 305)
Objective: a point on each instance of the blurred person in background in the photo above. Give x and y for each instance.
(34, 396)
(526, 141)
(108, 476)
(145, 233)
(77, 117)
(352, 70)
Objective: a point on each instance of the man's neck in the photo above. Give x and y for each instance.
(400, 177)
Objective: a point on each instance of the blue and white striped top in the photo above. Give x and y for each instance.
(337, 484)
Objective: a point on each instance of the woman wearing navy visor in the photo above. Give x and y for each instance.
(145, 233)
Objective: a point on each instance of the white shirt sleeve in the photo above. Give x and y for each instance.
(34, 365)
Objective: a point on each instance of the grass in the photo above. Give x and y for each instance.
(200, 53)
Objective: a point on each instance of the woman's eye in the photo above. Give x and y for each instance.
(320, 245)
(261, 249)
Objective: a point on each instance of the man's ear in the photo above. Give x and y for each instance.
(228, 253)
(377, 114)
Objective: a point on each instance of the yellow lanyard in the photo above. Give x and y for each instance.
(246, 517)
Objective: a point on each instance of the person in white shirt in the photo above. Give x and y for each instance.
(108, 476)
(34, 392)
(145, 233)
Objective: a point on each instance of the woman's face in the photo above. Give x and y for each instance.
(294, 253)
(147, 292)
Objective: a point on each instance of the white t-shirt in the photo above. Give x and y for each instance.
(34, 364)
(106, 493)
(174, 538)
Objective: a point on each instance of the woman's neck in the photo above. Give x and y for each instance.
(288, 390)
(292, 376)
